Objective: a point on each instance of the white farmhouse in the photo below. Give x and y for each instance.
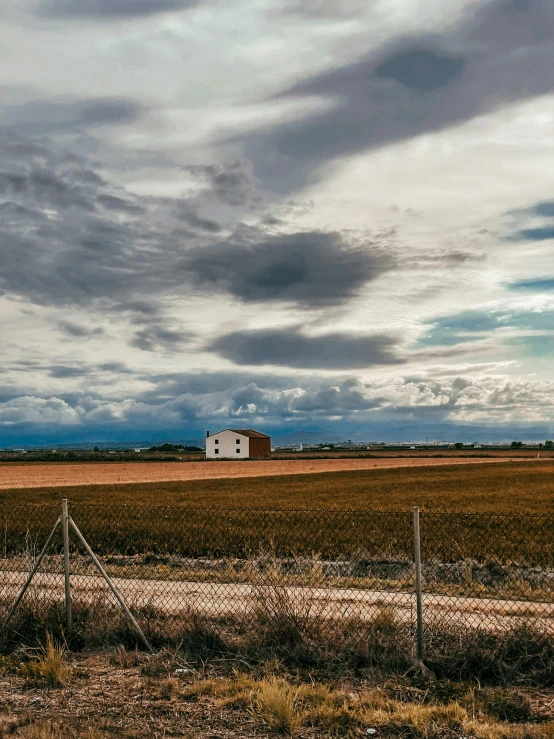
(237, 444)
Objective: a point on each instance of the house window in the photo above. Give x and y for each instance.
(238, 451)
(216, 441)
(216, 451)
(238, 441)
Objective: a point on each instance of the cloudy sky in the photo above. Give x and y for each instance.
(279, 214)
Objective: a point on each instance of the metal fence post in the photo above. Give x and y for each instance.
(419, 605)
(65, 526)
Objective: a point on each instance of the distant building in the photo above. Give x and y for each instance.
(237, 444)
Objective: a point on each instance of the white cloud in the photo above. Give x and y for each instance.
(40, 411)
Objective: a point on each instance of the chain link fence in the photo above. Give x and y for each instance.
(490, 572)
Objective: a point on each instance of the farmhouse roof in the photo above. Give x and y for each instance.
(247, 432)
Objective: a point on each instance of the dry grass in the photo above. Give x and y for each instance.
(289, 708)
(235, 701)
(49, 666)
(124, 658)
(41, 730)
(294, 636)
(277, 703)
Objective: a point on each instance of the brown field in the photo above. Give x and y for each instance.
(514, 486)
(14, 475)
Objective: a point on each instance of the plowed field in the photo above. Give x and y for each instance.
(14, 475)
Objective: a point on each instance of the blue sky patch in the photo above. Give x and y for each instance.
(535, 346)
(545, 209)
(475, 325)
(533, 285)
(542, 233)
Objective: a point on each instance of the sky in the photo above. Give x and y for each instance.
(283, 215)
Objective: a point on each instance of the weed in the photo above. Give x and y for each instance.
(49, 666)
(276, 702)
(124, 658)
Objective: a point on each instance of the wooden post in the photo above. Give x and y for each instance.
(419, 604)
(111, 586)
(65, 526)
(32, 573)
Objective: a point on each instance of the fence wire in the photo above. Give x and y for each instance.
(484, 571)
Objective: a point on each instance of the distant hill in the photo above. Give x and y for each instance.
(418, 433)
(377, 432)
(307, 437)
(141, 444)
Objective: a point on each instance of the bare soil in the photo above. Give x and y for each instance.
(14, 475)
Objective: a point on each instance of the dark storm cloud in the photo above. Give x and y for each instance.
(292, 348)
(42, 116)
(79, 369)
(171, 385)
(115, 367)
(78, 331)
(69, 237)
(41, 187)
(60, 371)
(110, 9)
(112, 202)
(189, 215)
(311, 268)
(231, 184)
(155, 337)
(502, 52)
(349, 396)
(421, 69)
(326, 10)
(142, 307)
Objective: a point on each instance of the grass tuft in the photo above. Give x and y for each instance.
(277, 703)
(49, 667)
(41, 730)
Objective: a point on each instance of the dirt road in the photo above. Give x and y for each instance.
(222, 599)
(15, 475)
